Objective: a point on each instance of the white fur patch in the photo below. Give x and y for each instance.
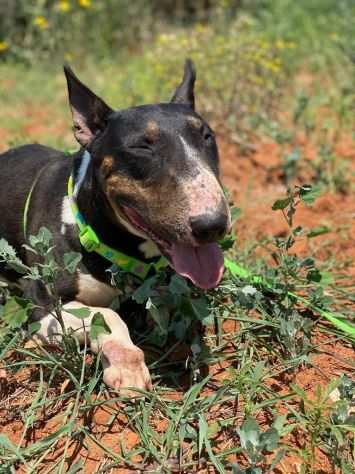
(149, 249)
(189, 151)
(94, 292)
(204, 192)
(67, 213)
(62, 229)
(51, 330)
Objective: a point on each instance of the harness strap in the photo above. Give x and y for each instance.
(27, 204)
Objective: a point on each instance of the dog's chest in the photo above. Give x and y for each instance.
(94, 292)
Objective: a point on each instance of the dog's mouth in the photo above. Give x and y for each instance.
(202, 264)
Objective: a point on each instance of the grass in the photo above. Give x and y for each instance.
(247, 378)
(232, 418)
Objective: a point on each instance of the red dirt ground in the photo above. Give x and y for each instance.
(255, 184)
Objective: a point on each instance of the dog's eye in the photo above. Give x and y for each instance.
(208, 137)
(141, 149)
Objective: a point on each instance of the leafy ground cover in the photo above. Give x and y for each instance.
(249, 378)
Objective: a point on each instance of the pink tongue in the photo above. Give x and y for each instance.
(203, 265)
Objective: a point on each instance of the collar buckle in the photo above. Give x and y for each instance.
(88, 238)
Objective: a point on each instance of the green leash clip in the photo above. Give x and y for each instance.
(88, 239)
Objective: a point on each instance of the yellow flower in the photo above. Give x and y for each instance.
(258, 80)
(334, 36)
(200, 28)
(3, 46)
(64, 6)
(163, 39)
(41, 22)
(264, 44)
(85, 3)
(280, 44)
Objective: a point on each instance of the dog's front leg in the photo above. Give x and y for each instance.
(123, 362)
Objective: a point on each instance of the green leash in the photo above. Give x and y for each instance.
(337, 319)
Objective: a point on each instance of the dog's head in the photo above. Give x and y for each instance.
(157, 166)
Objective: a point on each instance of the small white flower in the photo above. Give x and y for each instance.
(249, 290)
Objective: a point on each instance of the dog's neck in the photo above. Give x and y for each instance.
(97, 212)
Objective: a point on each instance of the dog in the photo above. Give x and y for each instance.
(144, 189)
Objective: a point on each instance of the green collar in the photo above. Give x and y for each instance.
(91, 243)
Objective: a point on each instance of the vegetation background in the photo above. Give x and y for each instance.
(276, 81)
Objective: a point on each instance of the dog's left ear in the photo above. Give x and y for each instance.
(184, 94)
(89, 112)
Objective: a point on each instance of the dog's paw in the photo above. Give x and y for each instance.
(125, 367)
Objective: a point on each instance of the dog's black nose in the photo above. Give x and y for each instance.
(209, 227)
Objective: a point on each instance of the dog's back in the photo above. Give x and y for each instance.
(19, 168)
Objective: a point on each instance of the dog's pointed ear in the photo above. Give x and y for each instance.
(184, 94)
(89, 112)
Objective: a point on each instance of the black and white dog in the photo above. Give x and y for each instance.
(146, 183)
